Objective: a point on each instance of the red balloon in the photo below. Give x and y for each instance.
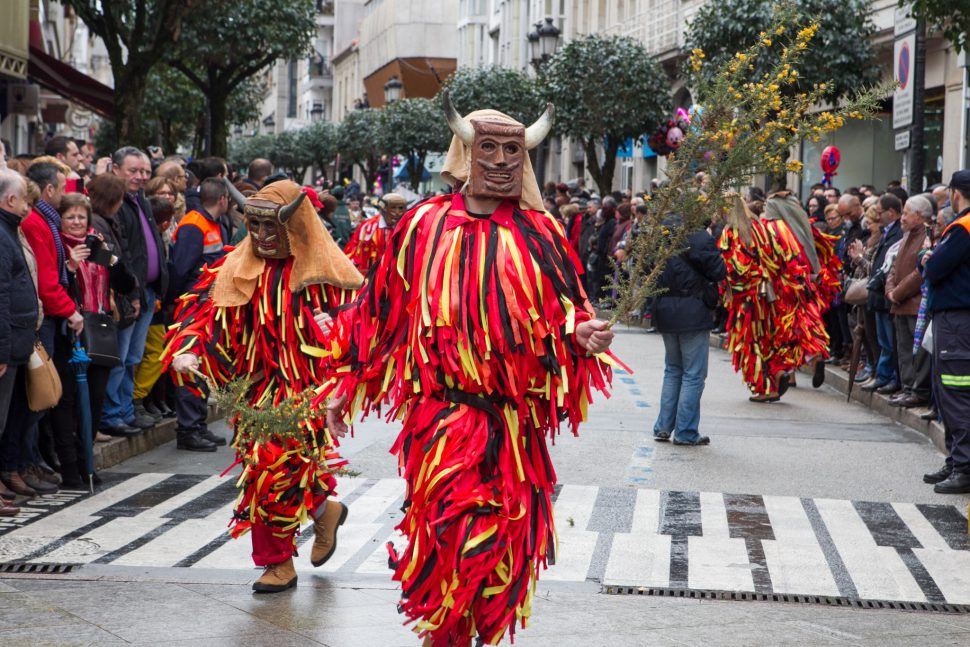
(830, 160)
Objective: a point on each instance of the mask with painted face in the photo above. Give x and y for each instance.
(497, 150)
(394, 206)
(266, 223)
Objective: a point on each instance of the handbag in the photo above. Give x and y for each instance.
(100, 339)
(43, 383)
(856, 292)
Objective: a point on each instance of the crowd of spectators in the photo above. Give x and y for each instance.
(113, 243)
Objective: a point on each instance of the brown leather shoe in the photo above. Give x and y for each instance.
(35, 482)
(276, 578)
(325, 532)
(6, 494)
(13, 481)
(8, 509)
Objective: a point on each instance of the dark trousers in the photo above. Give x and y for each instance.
(65, 418)
(871, 343)
(6, 393)
(951, 377)
(914, 369)
(191, 411)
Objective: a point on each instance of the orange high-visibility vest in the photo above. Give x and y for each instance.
(211, 233)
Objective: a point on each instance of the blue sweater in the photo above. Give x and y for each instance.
(948, 269)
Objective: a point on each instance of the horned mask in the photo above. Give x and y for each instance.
(266, 223)
(498, 150)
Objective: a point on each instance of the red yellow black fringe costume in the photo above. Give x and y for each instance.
(774, 307)
(367, 244)
(465, 331)
(270, 336)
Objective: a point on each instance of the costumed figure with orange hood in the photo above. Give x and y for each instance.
(260, 312)
(780, 279)
(369, 239)
(475, 331)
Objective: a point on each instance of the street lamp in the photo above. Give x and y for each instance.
(543, 41)
(316, 113)
(269, 122)
(392, 89)
(237, 131)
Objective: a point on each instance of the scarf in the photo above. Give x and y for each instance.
(53, 220)
(92, 279)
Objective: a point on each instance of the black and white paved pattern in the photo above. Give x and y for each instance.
(621, 536)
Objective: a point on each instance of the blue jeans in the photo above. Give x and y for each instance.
(685, 370)
(119, 406)
(886, 366)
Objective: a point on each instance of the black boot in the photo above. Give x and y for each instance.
(193, 442)
(71, 479)
(939, 475)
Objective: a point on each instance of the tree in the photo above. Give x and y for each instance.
(136, 33)
(953, 18)
(413, 128)
(842, 58)
(360, 141)
(227, 44)
(289, 151)
(320, 141)
(500, 88)
(606, 89)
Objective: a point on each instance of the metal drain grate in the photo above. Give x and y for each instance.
(821, 600)
(38, 569)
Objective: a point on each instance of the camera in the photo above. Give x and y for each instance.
(100, 254)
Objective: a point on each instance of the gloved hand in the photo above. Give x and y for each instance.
(185, 362)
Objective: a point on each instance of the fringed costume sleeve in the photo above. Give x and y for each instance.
(466, 332)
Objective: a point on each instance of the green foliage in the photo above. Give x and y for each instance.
(413, 128)
(842, 54)
(174, 108)
(320, 141)
(499, 88)
(360, 140)
(136, 34)
(953, 18)
(605, 89)
(230, 42)
(296, 151)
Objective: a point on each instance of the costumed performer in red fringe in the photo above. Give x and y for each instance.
(258, 312)
(367, 243)
(475, 330)
(803, 285)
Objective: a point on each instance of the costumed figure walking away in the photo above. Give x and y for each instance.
(259, 312)
(803, 286)
(474, 329)
(369, 239)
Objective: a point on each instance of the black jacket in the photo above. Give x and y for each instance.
(877, 283)
(18, 298)
(680, 308)
(131, 238)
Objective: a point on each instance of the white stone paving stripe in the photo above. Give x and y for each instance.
(715, 561)
(642, 556)
(950, 569)
(877, 571)
(795, 560)
(574, 552)
(13, 545)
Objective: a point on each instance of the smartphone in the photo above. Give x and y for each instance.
(99, 254)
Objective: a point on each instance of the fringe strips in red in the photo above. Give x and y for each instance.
(465, 329)
(273, 340)
(775, 309)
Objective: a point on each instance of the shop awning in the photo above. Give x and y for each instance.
(45, 70)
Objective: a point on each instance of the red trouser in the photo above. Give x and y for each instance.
(269, 549)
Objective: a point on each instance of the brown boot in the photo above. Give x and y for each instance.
(325, 532)
(276, 578)
(13, 481)
(8, 509)
(6, 494)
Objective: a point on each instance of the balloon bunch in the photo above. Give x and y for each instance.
(670, 134)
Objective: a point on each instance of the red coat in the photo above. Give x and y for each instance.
(57, 302)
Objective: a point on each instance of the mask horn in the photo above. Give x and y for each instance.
(287, 212)
(538, 131)
(462, 129)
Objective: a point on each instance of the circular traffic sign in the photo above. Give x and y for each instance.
(903, 66)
